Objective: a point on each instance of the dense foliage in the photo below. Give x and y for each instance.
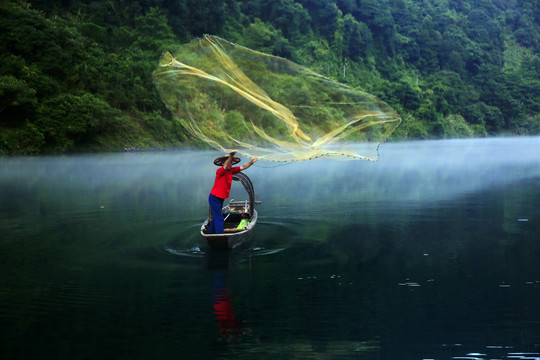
(76, 74)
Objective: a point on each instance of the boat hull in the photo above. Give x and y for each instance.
(229, 240)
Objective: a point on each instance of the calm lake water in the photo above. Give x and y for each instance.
(433, 252)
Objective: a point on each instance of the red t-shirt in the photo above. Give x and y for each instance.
(222, 184)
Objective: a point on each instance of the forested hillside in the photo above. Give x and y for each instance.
(75, 75)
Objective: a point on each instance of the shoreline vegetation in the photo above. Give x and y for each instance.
(76, 76)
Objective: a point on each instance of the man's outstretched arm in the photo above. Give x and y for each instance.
(246, 165)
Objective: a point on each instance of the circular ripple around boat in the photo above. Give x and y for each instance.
(268, 240)
(192, 252)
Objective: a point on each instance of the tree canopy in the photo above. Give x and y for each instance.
(76, 75)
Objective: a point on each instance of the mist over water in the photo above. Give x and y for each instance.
(423, 171)
(430, 252)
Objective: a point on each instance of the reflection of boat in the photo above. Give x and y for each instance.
(234, 213)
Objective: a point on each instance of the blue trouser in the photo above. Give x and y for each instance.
(216, 225)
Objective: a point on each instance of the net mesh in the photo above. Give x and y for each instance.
(237, 99)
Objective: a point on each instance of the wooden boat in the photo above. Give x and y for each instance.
(234, 212)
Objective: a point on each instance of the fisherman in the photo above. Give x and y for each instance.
(222, 188)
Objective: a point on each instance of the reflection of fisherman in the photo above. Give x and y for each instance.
(221, 190)
(229, 324)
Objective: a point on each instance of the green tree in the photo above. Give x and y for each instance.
(494, 92)
(429, 41)
(377, 16)
(324, 15)
(55, 53)
(357, 38)
(290, 17)
(265, 38)
(70, 120)
(485, 116)
(15, 93)
(450, 92)
(153, 31)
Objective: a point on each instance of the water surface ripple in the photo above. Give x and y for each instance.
(430, 253)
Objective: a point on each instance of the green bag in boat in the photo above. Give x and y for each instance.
(243, 224)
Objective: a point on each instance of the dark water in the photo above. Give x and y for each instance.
(433, 252)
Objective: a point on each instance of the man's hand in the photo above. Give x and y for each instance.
(246, 165)
(228, 163)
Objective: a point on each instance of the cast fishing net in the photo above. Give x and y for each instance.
(234, 98)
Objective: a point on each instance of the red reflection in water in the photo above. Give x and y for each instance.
(228, 323)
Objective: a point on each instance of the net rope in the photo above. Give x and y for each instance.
(237, 99)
